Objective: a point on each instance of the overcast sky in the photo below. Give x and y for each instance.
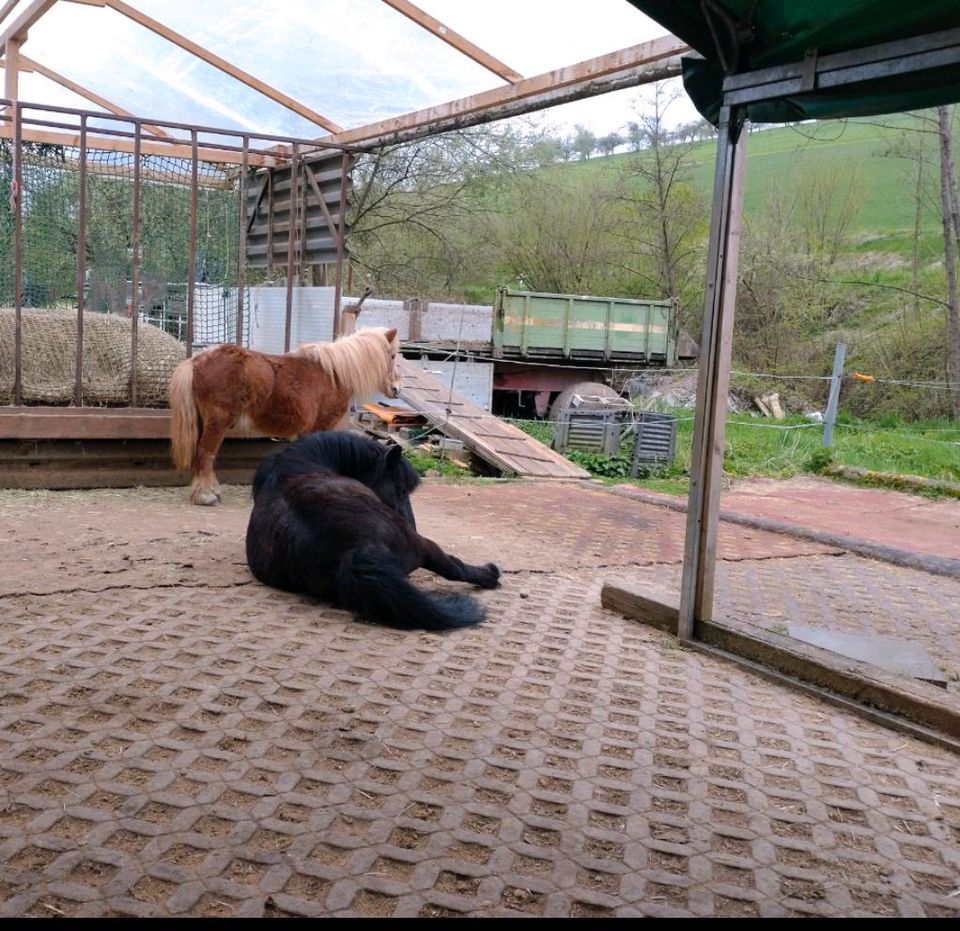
(353, 61)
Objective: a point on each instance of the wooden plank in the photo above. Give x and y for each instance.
(18, 28)
(122, 144)
(454, 39)
(591, 76)
(7, 9)
(116, 463)
(661, 612)
(484, 434)
(90, 423)
(222, 64)
(11, 71)
(28, 64)
(858, 686)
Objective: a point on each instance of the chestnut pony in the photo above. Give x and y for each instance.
(279, 395)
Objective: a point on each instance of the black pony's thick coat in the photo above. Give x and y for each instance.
(332, 518)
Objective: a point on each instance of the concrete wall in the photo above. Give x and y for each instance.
(311, 319)
(429, 322)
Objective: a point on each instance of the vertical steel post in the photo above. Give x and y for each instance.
(340, 233)
(270, 223)
(242, 244)
(291, 230)
(830, 418)
(81, 262)
(17, 192)
(302, 225)
(135, 267)
(192, 252)
(706, 466)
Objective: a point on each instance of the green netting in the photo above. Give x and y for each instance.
(51, 230)
(777, 32)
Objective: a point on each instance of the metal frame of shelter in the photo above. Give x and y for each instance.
(908, 67)
(288, 160)
(853, 70)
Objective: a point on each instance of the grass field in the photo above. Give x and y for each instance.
(790, 447)
(778, 157)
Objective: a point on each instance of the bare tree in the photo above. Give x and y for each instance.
(665, 218)
(830, 197)
(413, 206)
(559, 235)
(951, 240)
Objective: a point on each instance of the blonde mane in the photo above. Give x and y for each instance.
(358, 362)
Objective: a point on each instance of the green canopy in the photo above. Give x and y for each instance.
(735, 37)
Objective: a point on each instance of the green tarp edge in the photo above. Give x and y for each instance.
(777, 32)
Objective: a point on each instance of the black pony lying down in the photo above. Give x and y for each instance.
(332, 518)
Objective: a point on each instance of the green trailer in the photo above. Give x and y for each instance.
(578, 328)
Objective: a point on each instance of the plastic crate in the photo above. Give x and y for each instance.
(591, 431)
(655, 442)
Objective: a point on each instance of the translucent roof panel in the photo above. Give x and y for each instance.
(351, 62)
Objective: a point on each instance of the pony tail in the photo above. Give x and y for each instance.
(371, 583)
(184, 421)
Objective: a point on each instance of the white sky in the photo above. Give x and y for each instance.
(353, 61)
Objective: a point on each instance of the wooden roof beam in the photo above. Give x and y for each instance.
(465, 46)
(650, 61)
(7, 8)
(215, 60)
(28, 64)
(18, 28)
(147, 146)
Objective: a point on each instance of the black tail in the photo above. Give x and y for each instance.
(371, 583)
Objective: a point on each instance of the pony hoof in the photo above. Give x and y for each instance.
(491, 576)
(207, 498)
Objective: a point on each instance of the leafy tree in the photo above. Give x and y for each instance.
(609, 143)
(584, 142)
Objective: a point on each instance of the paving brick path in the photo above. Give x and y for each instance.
(176, 739)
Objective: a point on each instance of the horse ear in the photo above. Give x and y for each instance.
(391, 335)
(394, 455)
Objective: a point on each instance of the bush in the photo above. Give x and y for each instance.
(601, 465)
(424, 462)
(818, 460)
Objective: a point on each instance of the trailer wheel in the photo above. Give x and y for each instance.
(586, 389)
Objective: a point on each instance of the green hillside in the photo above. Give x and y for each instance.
(773, 156)
(776, 157)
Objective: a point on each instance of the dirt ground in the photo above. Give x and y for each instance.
(176, 739)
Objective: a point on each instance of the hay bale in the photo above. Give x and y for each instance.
(48, 358)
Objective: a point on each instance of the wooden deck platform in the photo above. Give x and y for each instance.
(499, 443)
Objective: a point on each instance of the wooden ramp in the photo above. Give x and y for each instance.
(497, 442)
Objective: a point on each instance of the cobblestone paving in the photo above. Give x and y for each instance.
(181, 742)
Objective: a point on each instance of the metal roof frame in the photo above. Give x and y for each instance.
(628, 67)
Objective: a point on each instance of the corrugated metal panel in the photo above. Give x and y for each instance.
(268, 213)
